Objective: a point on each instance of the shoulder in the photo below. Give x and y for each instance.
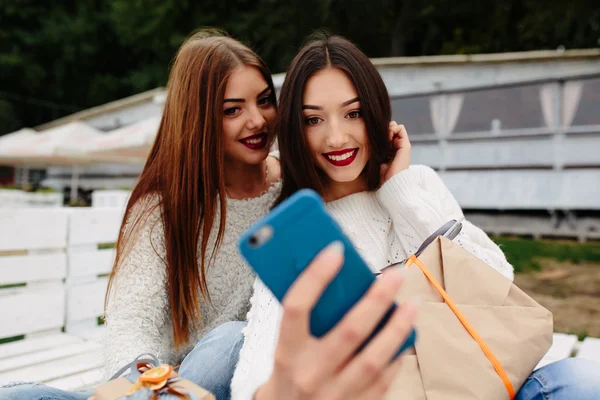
(427, 176)
(144, 222)
(407, 179)
(424, 171)
(146, 209)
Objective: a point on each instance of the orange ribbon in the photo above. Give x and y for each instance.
(484, 347)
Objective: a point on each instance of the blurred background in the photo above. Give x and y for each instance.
(501, 98)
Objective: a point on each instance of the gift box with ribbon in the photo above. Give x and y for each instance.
(148, 379)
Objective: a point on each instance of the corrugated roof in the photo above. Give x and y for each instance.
(493, 58)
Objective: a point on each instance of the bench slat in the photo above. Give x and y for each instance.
(562, 347)
(86, 300)
(84, 380)
(27, 310)
(590, 349)
(90, 262)
(94, 225)
(28, 346)
(96, 334)
(55, 369)
(44, 356)
(22, 230)
(32, 267)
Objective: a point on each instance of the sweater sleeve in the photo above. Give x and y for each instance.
(419, 202)
(260, 339)
(136, 313)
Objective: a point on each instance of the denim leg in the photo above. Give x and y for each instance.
(36, 391)
(212, 362)
(571, 378)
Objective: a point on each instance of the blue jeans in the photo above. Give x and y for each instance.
(571, 378)
(36, 391)
(210, 365)
(212, 362)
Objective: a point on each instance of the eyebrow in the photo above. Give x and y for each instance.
(244, 100)
(344, 104)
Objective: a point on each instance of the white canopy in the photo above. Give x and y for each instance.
(130, 144)
(64, 145)
(14, 140)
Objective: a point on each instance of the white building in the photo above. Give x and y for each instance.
(511, 133)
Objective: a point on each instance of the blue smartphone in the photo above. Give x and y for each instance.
(281, 245)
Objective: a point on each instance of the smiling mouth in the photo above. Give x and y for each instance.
(341, 158)
(255, 142)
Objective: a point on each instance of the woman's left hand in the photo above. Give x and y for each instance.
(401, 161)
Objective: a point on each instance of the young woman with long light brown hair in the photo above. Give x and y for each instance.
(177, 275)
(178, 281)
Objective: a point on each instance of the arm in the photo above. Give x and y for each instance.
(136, 314)
(255, 364)
(419, 202)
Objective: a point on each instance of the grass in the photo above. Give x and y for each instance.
(581, 335)
(524, 253)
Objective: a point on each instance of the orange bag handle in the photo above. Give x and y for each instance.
(486, 350)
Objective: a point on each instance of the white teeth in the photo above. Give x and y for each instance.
(341, 157)
(254, 141)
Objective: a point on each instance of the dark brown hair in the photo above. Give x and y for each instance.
(299, 169)
(185, 169)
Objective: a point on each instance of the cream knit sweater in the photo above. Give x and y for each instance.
(138, 317)
(385, 226)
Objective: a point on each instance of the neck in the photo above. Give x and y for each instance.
(337, 190)
(245, 180)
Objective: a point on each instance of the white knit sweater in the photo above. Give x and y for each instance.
(385, 227)
(138, 316)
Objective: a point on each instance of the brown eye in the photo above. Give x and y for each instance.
(354, 114)
(312, 121)
(265, 101)
(231, 111)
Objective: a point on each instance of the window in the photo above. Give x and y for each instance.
(414, 113)
(588, 111)
(501, 108)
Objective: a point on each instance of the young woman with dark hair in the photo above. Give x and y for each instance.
(334, 137)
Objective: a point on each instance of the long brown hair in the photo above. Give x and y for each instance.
(185, 169)
(299, 169)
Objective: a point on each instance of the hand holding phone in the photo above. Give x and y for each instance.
(341, 328)
(329, 367)
(283, 244)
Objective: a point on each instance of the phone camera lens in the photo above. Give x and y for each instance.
(253, 241)
(260, 237)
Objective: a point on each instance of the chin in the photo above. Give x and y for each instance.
(344, 177)
(255, 157)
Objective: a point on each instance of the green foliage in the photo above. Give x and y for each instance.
(525, 254)
(61, 57)
(581, 335)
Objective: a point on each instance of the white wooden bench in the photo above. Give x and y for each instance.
(110, 198)
(565, 346)
(52, 285)
(19, 199)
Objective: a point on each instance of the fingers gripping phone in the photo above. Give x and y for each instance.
(281, 245)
